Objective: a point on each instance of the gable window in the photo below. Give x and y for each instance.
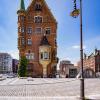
(29, 42)
(38, 19)
(29, 30)
(38, 7)
(38, 30)
(47, 31)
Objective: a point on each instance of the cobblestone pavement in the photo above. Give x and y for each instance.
(47, 89)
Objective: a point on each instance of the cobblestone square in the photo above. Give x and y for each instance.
(48, 89)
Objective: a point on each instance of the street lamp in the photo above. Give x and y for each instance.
(75, 13)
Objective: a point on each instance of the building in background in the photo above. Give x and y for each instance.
(37, 33)
(15, 63)
(91, 64)
(67, 69)
(5, 63)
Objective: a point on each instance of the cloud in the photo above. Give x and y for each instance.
(14, 54)
(78, 47)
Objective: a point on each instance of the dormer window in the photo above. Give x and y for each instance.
(38, 19)
(38, 7)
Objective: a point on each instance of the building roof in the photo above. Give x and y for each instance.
(44, 41)
(43, 2)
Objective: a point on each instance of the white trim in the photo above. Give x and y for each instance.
(38, 16)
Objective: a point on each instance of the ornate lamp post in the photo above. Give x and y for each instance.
(75, 13)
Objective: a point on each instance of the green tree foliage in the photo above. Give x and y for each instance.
(22, 70)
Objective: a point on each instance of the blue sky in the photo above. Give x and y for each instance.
(68, 28)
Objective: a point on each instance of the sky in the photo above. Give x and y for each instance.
(68, 32)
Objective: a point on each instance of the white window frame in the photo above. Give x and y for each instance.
(36, 21)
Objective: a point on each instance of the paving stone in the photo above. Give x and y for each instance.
(48, 89)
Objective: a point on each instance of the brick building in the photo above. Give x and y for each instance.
(67, 69)
(91, 64)
(37, 33)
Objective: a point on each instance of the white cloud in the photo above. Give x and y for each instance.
(78, 47)
(14, 54)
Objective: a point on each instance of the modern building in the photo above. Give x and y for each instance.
(91, 64)
(67, 69)
(15, 63)
(37, 34)
(5, 63)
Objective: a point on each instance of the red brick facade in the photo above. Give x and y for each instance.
(91, 62)
(33, 23)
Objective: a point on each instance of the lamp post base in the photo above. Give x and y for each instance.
(82, 97)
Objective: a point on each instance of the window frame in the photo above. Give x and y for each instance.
(38, 21)
(29, 41)
(38, 32)
(46, 29)
(29, 30)
(38, 7)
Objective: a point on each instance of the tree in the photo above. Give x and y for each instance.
(22, 70)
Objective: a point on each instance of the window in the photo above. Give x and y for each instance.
(45, 55)
(38, 19)
(30, 56)
(38, 30)
(41, 55)
(21, 29)
(22, 18)
(23, 41)
(48, 31)
(29, 42)
(38, 7)
(29, 30)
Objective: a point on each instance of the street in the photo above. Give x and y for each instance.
(47, 89)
